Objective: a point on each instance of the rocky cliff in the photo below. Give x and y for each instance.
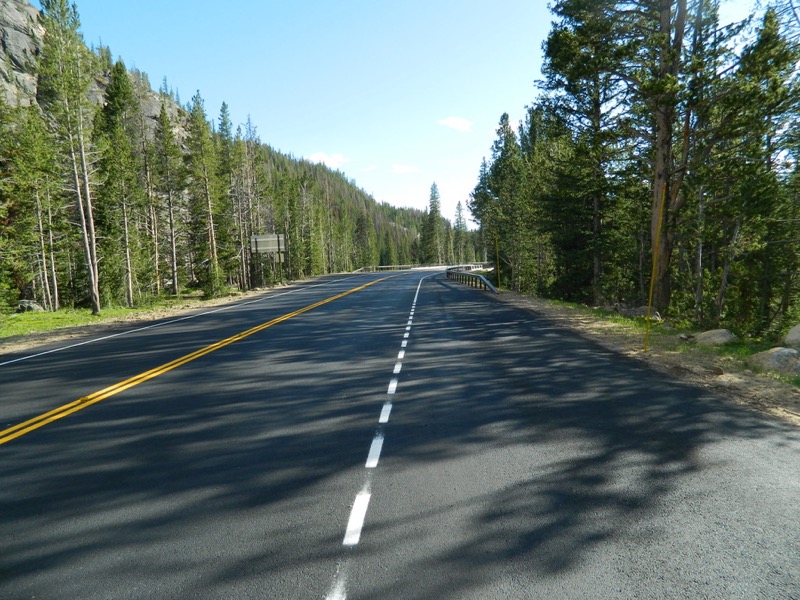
(20, 43)
(21, 37)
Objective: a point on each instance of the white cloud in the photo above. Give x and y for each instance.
(457, 123)
(334, 161)
(405, 169)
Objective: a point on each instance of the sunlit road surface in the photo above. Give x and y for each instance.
(382, 436)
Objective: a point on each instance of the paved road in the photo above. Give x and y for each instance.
(409, 439)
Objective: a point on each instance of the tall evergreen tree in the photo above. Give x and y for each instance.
(432, 239)
(507, 184)
(204, 198)
(65, 73)
(460, 234)
(581, 65)
(170, 182)
(119, 195)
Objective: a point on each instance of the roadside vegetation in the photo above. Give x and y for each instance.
(660, 159)
(115, 195)
(35, 322)
(668, 338)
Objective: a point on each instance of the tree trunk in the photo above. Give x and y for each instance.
(52, 249)
(665, 190)
(698, 265)
(87, 239)
(87, 200)
(128, 262)
(212, 236)
(723, 284)
(155, 237)
(173, 249)
(48, 298)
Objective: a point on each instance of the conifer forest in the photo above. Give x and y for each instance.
(658, 160)
(103, 204)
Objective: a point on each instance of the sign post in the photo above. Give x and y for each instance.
(270, 243)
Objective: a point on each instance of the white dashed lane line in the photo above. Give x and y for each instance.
(358, 513)
(385, 412)
(375, 451)
(357, 516)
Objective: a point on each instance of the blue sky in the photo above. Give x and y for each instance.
(394, 94)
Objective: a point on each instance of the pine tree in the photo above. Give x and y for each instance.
(204, 198)
(460, 235)
(170, 182)
(65, 71)
(581, 65)
(432, 235)
(29, 197)
(507, 185)
(119, 196)
(227, 246)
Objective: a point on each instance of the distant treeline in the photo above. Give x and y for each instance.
(660, 159)
(112, 194)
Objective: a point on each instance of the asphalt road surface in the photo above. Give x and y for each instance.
(381, 436)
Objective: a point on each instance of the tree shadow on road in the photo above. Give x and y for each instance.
(602, 445)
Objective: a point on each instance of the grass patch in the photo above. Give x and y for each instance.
(32, 322)
(741, 349)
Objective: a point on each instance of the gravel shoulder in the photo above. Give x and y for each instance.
(726, 376)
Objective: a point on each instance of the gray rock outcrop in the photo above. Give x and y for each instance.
(715, 337)
(21, 41)
(793, 337)
(781, 360)
(29, 306)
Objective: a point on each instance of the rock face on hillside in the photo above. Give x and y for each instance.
(20, 42)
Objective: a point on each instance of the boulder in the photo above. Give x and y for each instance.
(793, 337)
(715, 337)
(782, 360)
(28, 306)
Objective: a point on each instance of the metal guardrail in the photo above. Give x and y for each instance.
(470, 279)
(375, 269)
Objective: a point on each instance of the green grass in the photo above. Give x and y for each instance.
(33, 322)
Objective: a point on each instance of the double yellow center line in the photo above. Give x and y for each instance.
(67, 409)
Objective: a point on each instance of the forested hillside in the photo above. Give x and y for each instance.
(660, 158)
(112, 194)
